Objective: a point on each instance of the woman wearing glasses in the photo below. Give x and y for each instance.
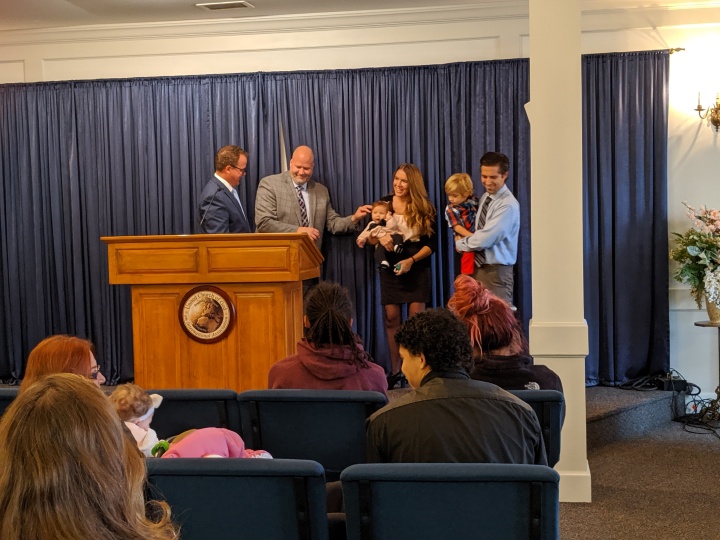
(62, 354)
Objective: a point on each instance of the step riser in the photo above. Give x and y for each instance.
(631, 422)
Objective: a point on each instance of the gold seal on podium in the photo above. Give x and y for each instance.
(206, 314)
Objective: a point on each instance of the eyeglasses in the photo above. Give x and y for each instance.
(238, 168)
(95, 372)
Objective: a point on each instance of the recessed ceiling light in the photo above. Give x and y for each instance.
(214, 6)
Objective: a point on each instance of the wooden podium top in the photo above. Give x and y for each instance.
(211, 258)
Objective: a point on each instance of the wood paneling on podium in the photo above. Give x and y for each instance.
(260, 273)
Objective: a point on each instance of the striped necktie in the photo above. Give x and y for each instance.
(480, 255)
(303, 208)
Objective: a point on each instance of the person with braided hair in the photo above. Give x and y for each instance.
(500, 349)
(331, 356)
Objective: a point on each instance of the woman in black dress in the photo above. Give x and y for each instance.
(409, 279)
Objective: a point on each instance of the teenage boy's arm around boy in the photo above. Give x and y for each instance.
(504, 219)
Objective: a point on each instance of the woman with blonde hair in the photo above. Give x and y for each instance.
(499, 345)
(68, 471)
(408, 282)
(62, 354)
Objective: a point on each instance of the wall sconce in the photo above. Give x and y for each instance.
(714, 112)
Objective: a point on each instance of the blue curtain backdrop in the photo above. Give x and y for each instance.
(81, 160)
(625, 208)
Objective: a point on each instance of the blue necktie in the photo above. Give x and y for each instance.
(237, 198)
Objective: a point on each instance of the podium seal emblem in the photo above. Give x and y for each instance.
(206, 314)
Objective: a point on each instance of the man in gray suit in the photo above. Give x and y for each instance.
(220, 208)
(293, 202)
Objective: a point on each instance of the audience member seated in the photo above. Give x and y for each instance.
(62, 354)
(331, 356)
(67, 469)
(136, 408)
(448, 417)
(499, 345)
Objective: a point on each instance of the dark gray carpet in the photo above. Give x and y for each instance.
(661, 485)
(603, 401)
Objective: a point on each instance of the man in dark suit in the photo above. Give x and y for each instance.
(220, 208)
(293, 202)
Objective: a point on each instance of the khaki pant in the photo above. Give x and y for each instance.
(498, 278)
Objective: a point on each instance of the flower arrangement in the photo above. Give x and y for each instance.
(697, 252)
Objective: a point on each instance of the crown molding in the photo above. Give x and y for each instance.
(241, 26)
(596, 14)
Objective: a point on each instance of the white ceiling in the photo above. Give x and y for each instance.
(26, 14)
(41, 14)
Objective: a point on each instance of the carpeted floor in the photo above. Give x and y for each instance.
(660, 485)
(603, 401)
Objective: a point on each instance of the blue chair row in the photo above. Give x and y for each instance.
(289, 423)
(285, 500)
(325, 425)
(242, 498)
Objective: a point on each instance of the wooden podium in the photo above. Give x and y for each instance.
(260, 274)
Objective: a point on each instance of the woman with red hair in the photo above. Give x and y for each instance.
(500, 347)
(62, 354)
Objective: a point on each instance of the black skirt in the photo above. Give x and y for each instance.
(415, 286)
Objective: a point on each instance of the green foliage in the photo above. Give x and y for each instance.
(696, 251)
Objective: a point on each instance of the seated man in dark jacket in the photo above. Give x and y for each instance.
(448, 417)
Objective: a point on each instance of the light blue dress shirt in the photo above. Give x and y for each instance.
(499, 236)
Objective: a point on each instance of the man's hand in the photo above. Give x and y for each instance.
(361, 212)
(314, 234)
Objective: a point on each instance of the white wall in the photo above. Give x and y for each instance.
(416, 37)
(693, 176)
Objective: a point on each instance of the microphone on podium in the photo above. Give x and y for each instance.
(202, 221)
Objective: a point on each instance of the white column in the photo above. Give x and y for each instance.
(558, 331)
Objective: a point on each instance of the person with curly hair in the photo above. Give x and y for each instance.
(499, 345)
(448, 417)
(408, 282)
(136, 409)
(331, 356)
(69, 471)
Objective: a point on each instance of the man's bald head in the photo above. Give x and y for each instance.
(301, 164)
